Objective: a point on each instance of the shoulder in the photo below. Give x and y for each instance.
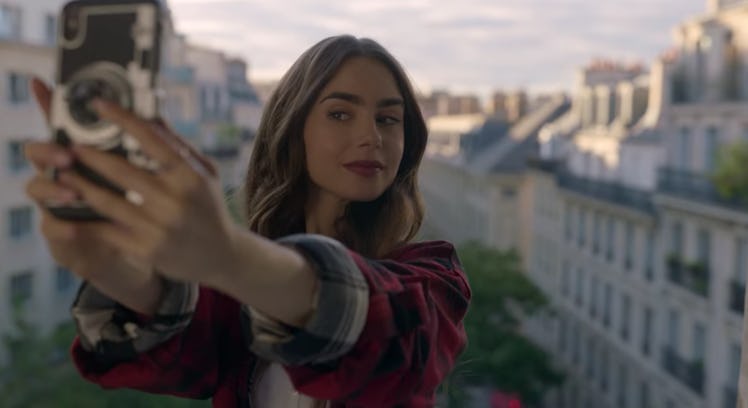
(436, 258)
(438, 250)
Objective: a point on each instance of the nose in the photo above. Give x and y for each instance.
(370, 134)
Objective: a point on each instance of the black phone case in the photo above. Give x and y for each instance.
(109, 44)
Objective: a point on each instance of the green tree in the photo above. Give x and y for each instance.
(730, 177)
(39, 374)
(498, 355)
(229, 135)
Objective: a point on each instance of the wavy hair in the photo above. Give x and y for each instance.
(277, 178)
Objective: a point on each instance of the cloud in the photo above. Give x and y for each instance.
(471, 44)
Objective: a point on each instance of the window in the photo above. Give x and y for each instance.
(590, 366)
(608, 305)
(684, 148)
(604, 372)
(580, 287)
(573, 396)
(64, 279)
(582, 233)
(676, 241)
(647, 331)
(217, 105)
(734, 366)
(593, 296)
(673, 329)
(711, 148)
(508, 192)
(741, 260)
(625, 313)
(50, 29)
(699, 342)
(577, 345)
(562, 336)
(704, 241)
(644, 398)
(21, 285)
(611, 239)
(649, 257)
(566, 279)
(628, 260)
(18, 88)
(622, 386)
(568, 219)
(16, 158)
(597, 234)
(10, 22)
(20, 222)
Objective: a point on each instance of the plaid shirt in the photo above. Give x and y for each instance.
(385, 333)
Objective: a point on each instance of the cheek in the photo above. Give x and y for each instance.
(322, 153)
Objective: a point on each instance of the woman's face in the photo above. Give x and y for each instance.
(353, 134)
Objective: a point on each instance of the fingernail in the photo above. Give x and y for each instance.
(69, 197)
(62, 159)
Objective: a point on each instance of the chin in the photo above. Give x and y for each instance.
(364, 196)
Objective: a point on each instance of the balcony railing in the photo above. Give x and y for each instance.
(694, 277)
(605, 191)
(737, 296)
(694, 186)
(690, 373)
(222, 152)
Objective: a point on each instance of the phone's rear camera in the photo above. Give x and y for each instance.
(71, 25)
(82, 93)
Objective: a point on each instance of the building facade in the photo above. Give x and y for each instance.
(201, 96)
(644, 261)
(29, 279)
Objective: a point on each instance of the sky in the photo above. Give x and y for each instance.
(462, 46)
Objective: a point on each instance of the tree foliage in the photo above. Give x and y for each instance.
(498, 356)
(730, 177)
(39, 374)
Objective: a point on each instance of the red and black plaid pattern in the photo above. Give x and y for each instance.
(386, 333)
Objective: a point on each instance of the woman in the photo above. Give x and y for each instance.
(322, 301)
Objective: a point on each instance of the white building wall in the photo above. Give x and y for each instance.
(22, 120)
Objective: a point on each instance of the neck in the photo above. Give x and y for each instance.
(321, 213)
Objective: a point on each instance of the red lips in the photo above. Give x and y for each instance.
(366, 168)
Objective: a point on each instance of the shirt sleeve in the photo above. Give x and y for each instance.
(182, 350)
(117, 333)
(340, 305)
(385, 332)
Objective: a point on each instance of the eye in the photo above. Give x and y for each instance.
(338, 115)
(388, 120)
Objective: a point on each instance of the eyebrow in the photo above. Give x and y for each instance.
(357, 100)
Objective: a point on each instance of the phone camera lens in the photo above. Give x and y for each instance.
(71, 25)
(82, 93)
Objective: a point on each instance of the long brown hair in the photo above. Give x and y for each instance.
(276, 184)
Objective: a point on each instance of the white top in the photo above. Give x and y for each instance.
(274, 390)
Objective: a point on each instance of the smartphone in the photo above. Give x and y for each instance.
(108, 49)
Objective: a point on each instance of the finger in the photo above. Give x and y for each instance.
(172, 137)
(55, 229)
(143, 131)
(41, 190)
(47, 154)
(109, 204)
(122, 173)
(43, 96)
